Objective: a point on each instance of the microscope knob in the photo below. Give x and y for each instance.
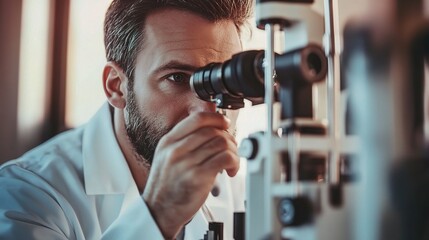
(295, 211)
(248, 148)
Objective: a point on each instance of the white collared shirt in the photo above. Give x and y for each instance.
(78, 186)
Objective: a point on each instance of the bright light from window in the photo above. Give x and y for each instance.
(86, 59)
(34, 62)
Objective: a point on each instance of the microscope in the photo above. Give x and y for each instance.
(306, 177)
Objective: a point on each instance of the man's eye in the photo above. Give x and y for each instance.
(179, 77)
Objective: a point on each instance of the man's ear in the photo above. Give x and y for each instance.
(115, 85)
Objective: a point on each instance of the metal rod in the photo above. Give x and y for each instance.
(332, 51)
(268, 77)
(269, 102)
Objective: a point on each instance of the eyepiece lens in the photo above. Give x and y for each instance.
(314, 64)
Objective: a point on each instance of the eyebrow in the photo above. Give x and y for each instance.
(174, 64)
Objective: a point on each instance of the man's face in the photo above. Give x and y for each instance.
(176, 44)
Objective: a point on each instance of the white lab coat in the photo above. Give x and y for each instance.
(78, 186)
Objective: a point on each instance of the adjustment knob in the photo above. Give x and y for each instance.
(295, 211)
(248, 148)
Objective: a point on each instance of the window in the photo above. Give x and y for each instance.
(86, 59)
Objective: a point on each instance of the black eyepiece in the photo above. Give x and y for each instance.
(238, 77)
(228, 83)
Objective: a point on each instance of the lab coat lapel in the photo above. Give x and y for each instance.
(104, 166)
(106, 174)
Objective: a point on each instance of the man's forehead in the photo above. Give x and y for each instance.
(183, 27)
(168, 17)
(175, 35)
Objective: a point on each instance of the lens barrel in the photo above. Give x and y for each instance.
(238, 77)
(305, 65)
(242, 76)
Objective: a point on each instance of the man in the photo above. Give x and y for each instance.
(144, 166)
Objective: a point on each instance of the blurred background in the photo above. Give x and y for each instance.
(51, 64)
(51, 60)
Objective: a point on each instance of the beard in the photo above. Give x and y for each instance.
(144, 132)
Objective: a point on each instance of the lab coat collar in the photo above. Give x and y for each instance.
(104, 165)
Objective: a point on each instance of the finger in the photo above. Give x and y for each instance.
(208, 170)
(213, 147)
(180, 155)
(202, 137)
(227, 160)
(220, 153)
(194, 122)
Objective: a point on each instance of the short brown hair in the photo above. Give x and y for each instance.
(123, 25)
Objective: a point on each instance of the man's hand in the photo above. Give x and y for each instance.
(186, 163)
